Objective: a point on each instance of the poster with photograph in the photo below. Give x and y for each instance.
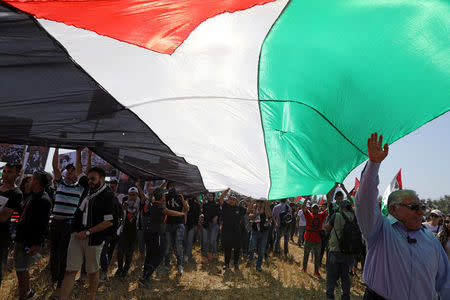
(70, 158)
(35, 159)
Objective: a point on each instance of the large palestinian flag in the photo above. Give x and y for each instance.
(271, 98)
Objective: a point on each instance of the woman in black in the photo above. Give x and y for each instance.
(154, 234)
(231, 229)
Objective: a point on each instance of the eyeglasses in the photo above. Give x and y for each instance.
(414, 207)
(92, 178)
(447, 221)
(434, 216)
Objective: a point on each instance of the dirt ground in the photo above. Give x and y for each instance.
(280, 279)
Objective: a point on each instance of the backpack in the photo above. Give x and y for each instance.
(285, 217)
(351, 238)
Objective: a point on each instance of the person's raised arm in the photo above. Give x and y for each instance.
(366, 208)
(330, 194)
(222, 196)
(349, 196)
(250, 206)
(185, 203)
(144, 198)
(267, 209)
(89, 161)
(55, 164)
(164, 184)
(78, 165)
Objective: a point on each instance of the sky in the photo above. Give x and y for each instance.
(423, 156)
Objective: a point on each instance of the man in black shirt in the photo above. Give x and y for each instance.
(260, 219)
(211, 212)
(91, 222)
(175, 229)
(10, 200)
(31, 229)
(191, 225)
(231, 230)
(154, 234)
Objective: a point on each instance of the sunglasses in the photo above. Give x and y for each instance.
(447, 221)
(434, 216)
(92, 178)
(414, 207)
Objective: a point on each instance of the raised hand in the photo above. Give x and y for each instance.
(377, 153)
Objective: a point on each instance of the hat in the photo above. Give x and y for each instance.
(233, 195)
(315, 205)
(133, 189)
(69, 166)
(437, 212)
(113, 181)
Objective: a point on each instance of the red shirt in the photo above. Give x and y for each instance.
(314, 225)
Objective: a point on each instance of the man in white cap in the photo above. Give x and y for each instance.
(128, 232)
(435, 223)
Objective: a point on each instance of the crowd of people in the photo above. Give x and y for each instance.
(403, 255)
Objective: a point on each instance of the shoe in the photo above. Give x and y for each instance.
(317, 275)
(185, 258)
(210, 256)
(248, 264)
(123, 275)
(226, 267)
(30, 295)
(304, 271)
(164, 270)
(236, 268)
(118, 273)
(204, 259)
(145, 283)
(180, 270)
(258, 269)
(103, 277)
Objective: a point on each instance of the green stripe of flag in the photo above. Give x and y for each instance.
(332, 72)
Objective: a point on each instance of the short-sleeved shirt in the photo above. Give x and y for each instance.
(314, 225)
(232, 218)
(301, 218)
(433, 229)
(12, 199)
(176, 205)
(156, 218)
(338, 222)
(100, 208)
(211, 210)
(67, 197)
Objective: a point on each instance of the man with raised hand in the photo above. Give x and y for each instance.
(69, 191)
(404, 260)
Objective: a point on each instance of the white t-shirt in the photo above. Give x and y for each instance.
(433, 229)
(301, 220)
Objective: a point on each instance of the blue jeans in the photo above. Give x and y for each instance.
(338, 266)
(174, 237)
(209, 239)
(301, 235)
(258, 241)
(282, 231)
(189, 241)
(104, 258)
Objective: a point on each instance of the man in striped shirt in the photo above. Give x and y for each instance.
(69, 191)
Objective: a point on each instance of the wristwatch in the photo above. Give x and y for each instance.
(88, 233)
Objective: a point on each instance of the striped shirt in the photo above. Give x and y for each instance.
(67, 198)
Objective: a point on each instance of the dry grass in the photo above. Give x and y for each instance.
(279, 280)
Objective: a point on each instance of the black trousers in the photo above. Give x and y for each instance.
(59, 241)
(155, 246)
(127, 244)
(231, 244)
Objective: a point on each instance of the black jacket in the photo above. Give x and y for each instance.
(33, 222)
